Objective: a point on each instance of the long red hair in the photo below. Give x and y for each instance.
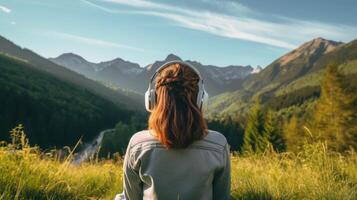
(176, 119)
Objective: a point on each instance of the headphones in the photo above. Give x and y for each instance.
(150, 94)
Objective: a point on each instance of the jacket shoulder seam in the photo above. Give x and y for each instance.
(213, 142)
(143, 141)
(156, 145)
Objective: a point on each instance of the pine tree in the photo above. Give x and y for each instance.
(253, 134)
(335, 118)
(294, 139)
(271, 134)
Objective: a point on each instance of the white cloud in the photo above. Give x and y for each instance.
(98, 6)
(229, 6)
(284, 33)
(224, 26)
(5, 9)
(143, 4)
(93, 41)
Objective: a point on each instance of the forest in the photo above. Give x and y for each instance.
(330, 117)
(55, 113)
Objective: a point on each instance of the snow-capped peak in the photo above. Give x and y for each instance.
(257, 69)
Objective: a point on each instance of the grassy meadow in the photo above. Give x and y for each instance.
(314, 173)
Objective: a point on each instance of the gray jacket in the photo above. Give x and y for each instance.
(201, 171)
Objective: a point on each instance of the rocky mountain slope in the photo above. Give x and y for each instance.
(291, 80)
(294, 64)
(130, 75)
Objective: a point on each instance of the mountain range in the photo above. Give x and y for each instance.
(131, 76)
(233, 87)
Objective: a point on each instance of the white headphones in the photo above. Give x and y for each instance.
(150, 94)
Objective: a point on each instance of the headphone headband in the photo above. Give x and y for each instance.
(175, 62)
(150, 99)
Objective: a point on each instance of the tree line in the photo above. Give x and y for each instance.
(331, 118)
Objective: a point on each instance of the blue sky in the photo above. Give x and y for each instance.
(219, 32)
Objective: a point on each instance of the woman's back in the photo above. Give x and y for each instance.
(177, 157)
(200, 171)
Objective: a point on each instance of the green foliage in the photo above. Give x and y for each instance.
(231, 129)
(261, 131)
(271, 134)
(254, 140)
(296, 97)
(294, 137)
(117, 141)
(269, 131)
(335, 118)
(229, 104)
(54, 112)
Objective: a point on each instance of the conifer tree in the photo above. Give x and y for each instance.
(271, 134)
(253, 134)
(335, 118)
(294, 138)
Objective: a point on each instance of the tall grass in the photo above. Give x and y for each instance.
(314, 173)
(26, 173)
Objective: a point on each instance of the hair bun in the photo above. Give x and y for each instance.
(176, 81)
(172, 83)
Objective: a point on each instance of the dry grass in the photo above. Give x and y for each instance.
(314, 173)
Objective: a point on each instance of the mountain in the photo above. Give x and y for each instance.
(80, 65)
(56, 105)
(118, 72)
(257, 70)
(222, 79)
(291, 80)
(118, 97)
(125, 74)
(54, 112)
(292, 65)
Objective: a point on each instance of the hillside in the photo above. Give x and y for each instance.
(290, 80)
(117, 97)
(55, 112)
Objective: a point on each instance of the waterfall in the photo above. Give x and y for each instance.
(91, 148)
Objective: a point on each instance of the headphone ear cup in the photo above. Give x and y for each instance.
(199, 99)
(202, 97)
(147, 100)
(152, 98)
(205, 98)
(205, 101)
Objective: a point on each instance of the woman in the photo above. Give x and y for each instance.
(178, 157)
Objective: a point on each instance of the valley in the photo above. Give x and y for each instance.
(289, 86)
